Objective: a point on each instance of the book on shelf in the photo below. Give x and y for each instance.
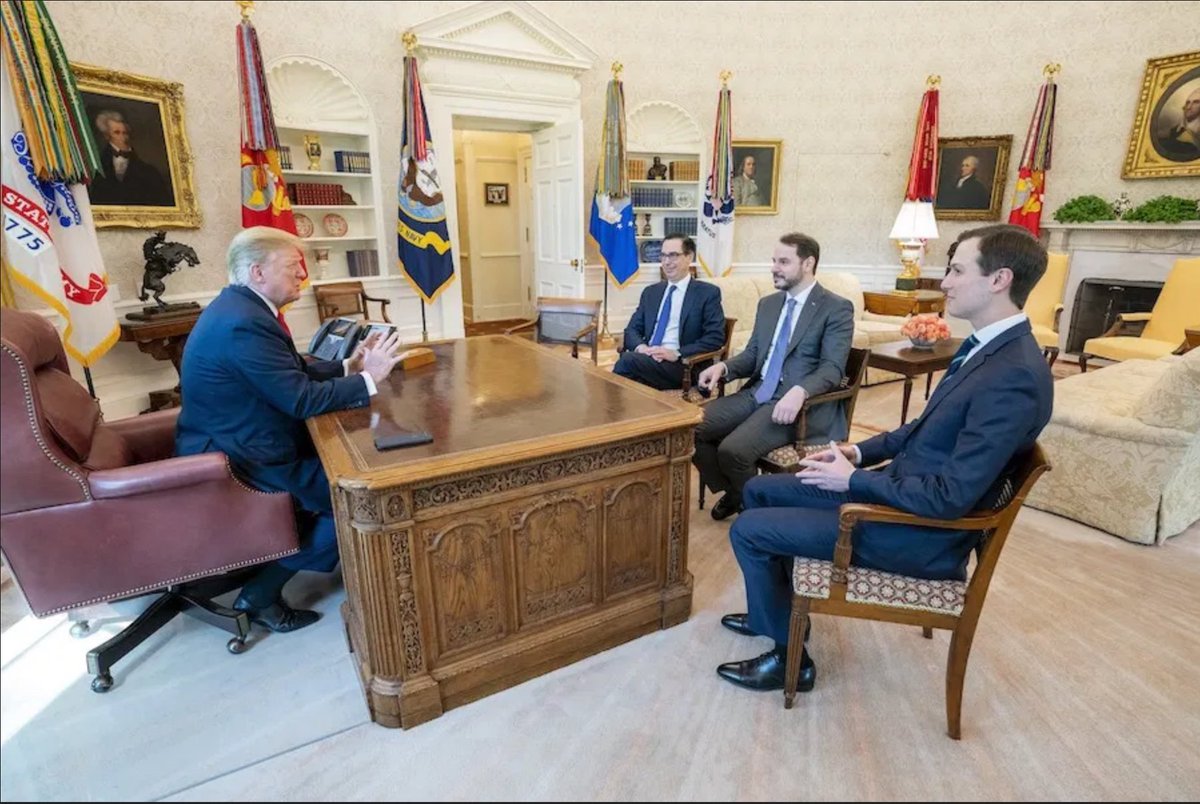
(684, 170)
(637, 168)
(686, 226)
(363, 262)
(314, 194)
(653, 196)
(352, 161)
(285, 157)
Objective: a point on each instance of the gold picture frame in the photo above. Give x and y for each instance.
(152, 186)
(1161, 144)
(971, 190)
(759, 200)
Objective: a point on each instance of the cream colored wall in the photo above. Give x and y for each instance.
(839, 83)
(493, 287)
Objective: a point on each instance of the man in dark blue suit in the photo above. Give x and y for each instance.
(676, 318)
(247, 392)
(984, 416)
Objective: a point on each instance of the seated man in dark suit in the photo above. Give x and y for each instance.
(798, 349)
(987, 411)
(246, 392)
(675, 318)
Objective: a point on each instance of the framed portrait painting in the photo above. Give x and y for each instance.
(144, 153)
(756, 176)
(972, 172)
(1165, 140)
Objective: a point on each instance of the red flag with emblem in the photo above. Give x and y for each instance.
(1035, 159)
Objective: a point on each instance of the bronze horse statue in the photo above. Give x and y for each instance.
(162, 259)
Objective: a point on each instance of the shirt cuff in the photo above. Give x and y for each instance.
(346, 367)
(857, 454)
(371, 389)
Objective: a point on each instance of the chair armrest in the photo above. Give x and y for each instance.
(527, 325)
(151, 437)
(1058, 311)
(692, 360)
(384, 302)
(619, 342)
(1128, 325)
(173, 473)
(579, 335)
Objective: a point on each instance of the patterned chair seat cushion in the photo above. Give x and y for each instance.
(693, 395)
(811, 578)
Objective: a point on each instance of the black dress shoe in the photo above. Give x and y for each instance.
(727, 506)
(740, 624)
(279, 616)
(767, 672)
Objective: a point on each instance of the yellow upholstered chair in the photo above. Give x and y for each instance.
(1149, 336)
(1044, 305)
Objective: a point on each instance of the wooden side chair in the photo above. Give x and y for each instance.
(836, 587)
(564, 321)
(787, 458)
(347, 299)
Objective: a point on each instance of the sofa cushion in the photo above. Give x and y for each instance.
(845, 285)
(70, 412)
(1174, 399)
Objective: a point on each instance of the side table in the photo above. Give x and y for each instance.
(919, 301)
(163, 338)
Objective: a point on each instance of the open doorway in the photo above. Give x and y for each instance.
(495, 226)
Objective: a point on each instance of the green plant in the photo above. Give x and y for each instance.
(1085, 209)
(1166, 209)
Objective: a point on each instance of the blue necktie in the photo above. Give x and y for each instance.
(664, 316)
(960, 356)
(770, 381)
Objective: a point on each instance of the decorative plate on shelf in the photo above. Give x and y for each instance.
(652, 251)
(304, 225)
(335, 224)
(685, 199)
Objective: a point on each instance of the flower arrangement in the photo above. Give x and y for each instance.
(925, 330)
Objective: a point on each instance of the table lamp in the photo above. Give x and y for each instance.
(914, 225)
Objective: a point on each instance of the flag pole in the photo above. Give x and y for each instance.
(410, 46)
(606, 340)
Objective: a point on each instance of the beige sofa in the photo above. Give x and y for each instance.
(740, 295)
(1124, 443)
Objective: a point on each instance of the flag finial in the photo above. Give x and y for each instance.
(617, 67)
(410, 42)
(725, 76)
(247, 7)
(1050, 70)
(932, 81)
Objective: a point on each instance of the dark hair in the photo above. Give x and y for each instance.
(805, 247)
(950, 255)
(689, 245)
(1004, 245)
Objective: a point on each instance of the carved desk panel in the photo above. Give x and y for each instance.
(545, 522)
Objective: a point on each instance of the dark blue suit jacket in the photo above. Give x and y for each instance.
(954, 456)
(247, 392)
(701, 319)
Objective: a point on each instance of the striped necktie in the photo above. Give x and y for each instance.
(960, 356)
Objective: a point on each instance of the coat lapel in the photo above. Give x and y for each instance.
(689, 303)
(948, 385)
(766, 328)
(657, 292)
(806, 316)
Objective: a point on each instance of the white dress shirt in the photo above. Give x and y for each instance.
(371, 389)
(671, 336)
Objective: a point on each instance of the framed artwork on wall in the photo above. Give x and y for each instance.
(495, 194)
(756, 176)
(1165, 139)
(147, 164)
(972, 172)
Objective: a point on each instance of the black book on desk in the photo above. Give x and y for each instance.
(389, 435)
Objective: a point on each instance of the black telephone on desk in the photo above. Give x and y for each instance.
(337, 337)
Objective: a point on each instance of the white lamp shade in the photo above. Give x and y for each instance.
(915, 222)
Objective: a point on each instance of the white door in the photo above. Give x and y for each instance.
(558, 210)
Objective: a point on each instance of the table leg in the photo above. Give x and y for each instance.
(904, 406)
(928, 382)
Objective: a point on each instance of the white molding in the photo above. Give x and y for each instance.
(663, 127)
(495, 255)
(497, 160)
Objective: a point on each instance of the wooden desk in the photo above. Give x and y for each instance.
(919, 301)
(902, 358)
(547, 521)
(162, 339)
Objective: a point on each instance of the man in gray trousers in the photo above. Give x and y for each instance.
(798, 349)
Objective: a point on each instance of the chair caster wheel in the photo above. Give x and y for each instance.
(237, 645)
(81, 629)
(102, 682)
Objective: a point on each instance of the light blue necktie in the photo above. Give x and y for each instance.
(664, 315)
(960, 356)
(770, 381)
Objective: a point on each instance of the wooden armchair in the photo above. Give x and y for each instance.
(836, 587)
(787, 458)
(345, 299)
(566, 321)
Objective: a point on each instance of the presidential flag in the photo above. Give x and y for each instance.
(1029, 194)
(714, 243)
(422, 233)
(611, 224)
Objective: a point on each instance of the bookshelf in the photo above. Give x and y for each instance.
(311, 98)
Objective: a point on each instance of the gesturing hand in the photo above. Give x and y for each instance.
(829, 470)
(379, 360)
(708, 378)
(356, 360)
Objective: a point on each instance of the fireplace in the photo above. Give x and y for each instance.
(1099, 301)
